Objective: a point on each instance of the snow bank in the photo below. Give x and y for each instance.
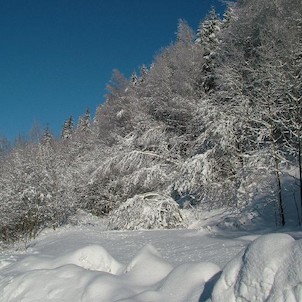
(91, 274)
(270, 269)
(147, 267)
(92, 257)
(185, 283)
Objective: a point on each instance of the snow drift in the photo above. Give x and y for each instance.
(268, 269)
(91, 274)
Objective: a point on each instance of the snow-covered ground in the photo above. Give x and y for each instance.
(90, 264)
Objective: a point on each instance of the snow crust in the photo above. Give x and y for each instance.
(75, 266)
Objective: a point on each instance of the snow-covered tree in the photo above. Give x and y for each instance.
(184, 33)
(118, 85)
(253, 76)
(213, 122)
(143, 73)
(134, 79)
(68, 128)
(47, 137)
(146, 211)
(4, 146)
(208, 38)
(207, 34)
(84, 124)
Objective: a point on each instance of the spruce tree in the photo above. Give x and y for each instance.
(143, 73)
(84, 123)
(67, 129)
(134, 79)
(47, 136)
(207, 34)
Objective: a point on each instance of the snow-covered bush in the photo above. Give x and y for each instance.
(84, 218)
(147, 211)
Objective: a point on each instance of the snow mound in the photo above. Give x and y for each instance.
(185, 283)
(270, 269)
(92, 257)
(147, 260)
(191, 285)
(90, 274)
(147, 211)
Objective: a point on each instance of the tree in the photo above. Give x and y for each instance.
(67, 130)
(4, 147)
(147, 211)
(184, 33)
(143, 73)
(117, 86)
(254, 77)
(208, 38)
(84, 124)
(207, 34)
(47, 137)
(134, 79)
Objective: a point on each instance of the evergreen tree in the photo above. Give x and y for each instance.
(143, 73)
(67, 130)
(84, 124)
(229, 16)
(47, 137)
(207, 34)
(134, 79)
(208, 38)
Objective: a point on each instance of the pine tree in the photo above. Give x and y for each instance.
(134, 79)
(47, 136)
(228, 17)
(143, 73)
(208, 38)
(84, 123)
(67, 130)
(207, 34)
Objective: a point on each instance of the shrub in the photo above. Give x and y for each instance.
(147, 211)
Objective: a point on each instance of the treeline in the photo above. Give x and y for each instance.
(214, 121)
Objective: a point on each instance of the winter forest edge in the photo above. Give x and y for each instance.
(214, 122)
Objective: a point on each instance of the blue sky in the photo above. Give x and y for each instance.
(57, 56)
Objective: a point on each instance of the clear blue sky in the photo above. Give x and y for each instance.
(57, 56)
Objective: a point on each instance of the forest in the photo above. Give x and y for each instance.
(214, 121)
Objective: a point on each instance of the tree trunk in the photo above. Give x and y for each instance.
(280, 200)
(300, 173)
(281, 218)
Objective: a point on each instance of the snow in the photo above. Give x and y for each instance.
(86, 263)
(147, 211)
(269, 269)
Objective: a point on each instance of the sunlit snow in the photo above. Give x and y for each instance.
(87, 264)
